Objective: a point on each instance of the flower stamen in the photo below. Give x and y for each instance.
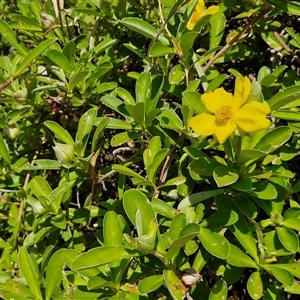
(224, 114)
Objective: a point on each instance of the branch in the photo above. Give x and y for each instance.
(263, 14)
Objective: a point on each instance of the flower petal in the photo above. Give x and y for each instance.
(200, 7)
(242, 91)
(252, 116)
(203, 124)
(213, 101)
(211, 10)
(222, 132)
(196, 15)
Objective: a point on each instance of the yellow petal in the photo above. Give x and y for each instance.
(242, 91)
(252, 116)
(200, 7)
(203, 124)
(222, 132)
(214, 101)
(193, 20)
(211, 10)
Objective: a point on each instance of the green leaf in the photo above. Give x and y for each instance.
(54, 273)
(289, 115)
(150, 284)
(223, 176)
(217, 22)
(142, 87)
(12, 38)
(177, 224)
(276, 138)
(249, 155)
(287, 6)
(284, 97)
(37, 51)
(115, 104)
(263, 190)
(101, 256)
(112, 233)
(134, 200)
(174, 285)
(76, 78)
(288, 238)
(28, 267)
(124, 170)
(144, 28)
(124, 137)
(199, 197)
(3, 149)
(218, 291)
(40, 187)
(220, 218)
(137, 112)
(255, 286)
(43, 164)
(162, 208)
(188, 232)
(125, 95)
(98, 132)
(60, 133)
(177, 74)
(169, 119)
(240, 229)
(193, 99)
(158, 50)
(24, 23)
(214, 243)
(238, 258)
(281, 275)
(60, 60)
(84, 127)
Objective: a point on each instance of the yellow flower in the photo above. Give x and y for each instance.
(231, 112)
(199, 12)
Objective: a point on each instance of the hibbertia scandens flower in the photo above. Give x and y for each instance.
(230, 112)
(199, 12)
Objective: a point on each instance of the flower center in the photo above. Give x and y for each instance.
(224, 114)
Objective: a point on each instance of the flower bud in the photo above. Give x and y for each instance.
(47, 21)
(64, 153)
(12, 133)
(190, 277)
(20, 96)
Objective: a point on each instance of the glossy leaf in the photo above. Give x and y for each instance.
(223, 176)
(59, 59)
(12, 38)
(220, 218)
(3, 150)
(174, 285)
(37, 51)
(255, 286)
(143, 28)
(218, 291)
(150, 284)
(214, 243)
(101, 256)
(28, 267)
(134, 200)
(60, 133)
(54, 273)
(288, 238)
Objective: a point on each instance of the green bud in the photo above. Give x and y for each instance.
(64, 153)
(47, 21)
(21, 96)
(12, 133)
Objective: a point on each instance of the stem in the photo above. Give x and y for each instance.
(286, 47)
(263, 14)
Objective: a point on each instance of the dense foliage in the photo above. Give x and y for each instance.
(149, 149)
